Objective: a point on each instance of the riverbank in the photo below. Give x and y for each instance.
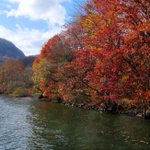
(18, 92)
(109, 107)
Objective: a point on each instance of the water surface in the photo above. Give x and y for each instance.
(27, 124)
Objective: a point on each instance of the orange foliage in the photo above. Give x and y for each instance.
(110, 54)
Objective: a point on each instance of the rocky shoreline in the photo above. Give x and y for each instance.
(111, 107)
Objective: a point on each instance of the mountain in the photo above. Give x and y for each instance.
(28, 60)
(9, 50)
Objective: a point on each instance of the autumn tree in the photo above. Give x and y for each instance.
(120, 30)
(102, 56)
(47, 74)
(14, 78)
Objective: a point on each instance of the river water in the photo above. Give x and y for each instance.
(27, 124)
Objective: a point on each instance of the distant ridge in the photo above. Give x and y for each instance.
(28, 60)
(9, 50)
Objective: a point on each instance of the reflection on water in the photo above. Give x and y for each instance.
(27, 124)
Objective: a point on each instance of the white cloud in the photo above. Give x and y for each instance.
(51, 11)
(28, 40)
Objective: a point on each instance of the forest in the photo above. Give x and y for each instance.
(100, 61)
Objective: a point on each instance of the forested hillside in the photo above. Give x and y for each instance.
(15, 70)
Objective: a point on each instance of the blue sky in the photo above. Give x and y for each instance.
(30, 23)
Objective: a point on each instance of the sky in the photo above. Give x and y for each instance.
(30, 23)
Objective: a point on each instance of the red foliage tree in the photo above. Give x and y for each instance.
(104, 55)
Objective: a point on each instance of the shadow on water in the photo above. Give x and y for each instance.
(61, 127)
(26, 124)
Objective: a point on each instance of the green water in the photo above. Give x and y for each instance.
(27, 124)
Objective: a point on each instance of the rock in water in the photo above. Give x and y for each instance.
(147, 114)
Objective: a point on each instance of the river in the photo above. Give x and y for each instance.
(29, 124)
